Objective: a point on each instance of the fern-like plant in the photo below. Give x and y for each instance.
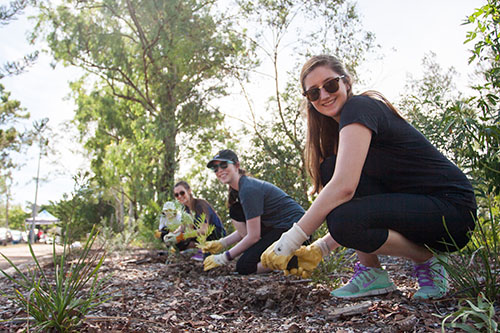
(201, 238)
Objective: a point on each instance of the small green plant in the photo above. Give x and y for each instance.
(60, 303)
(473, 317)
(476, 268)
(117, 241)
(337, 261)
(201, 238)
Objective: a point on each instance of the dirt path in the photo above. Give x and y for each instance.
(21, 256)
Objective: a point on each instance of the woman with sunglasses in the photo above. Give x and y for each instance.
(198, 207)
(260, 213)
(391, 191)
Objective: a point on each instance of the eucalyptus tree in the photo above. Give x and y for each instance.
(152, 66)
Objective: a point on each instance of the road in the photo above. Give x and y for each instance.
(20, 255)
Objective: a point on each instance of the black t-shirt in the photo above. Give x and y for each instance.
(273, 205)
(401, 158)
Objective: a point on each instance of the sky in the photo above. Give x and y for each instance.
(406, 30)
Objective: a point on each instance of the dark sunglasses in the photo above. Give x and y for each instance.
(222, 165)
(178, 194)
(331, 86)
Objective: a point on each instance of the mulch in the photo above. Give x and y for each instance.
(152, 291)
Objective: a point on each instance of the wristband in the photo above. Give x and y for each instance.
(228, 256)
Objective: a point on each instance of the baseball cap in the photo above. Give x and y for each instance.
(224, 155)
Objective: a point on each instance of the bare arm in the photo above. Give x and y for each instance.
(252, 236)
(235, 236)
(354, 142)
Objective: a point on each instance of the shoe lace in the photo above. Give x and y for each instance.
(358, 270)
(423, 272)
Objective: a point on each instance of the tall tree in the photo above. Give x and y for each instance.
(154, 65)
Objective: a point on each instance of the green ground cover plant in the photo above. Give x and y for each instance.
(60, 302)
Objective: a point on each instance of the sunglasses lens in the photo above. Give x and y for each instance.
(312, 94)
(177, 194)
(222, 165)
(331, 86)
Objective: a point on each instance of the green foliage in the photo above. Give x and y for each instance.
(16, 217)
(60, 303)
(201, 238)
(10, 138)
(486, 37)
(84, 209)
(484, 130)
(476, 268)
(117, 241)
(473, 317)
(338, 261)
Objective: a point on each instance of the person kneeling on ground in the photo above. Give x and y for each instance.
(260, 213)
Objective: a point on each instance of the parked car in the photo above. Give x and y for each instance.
(5, 236)
(17, 236)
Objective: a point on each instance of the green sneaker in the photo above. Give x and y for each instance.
(366, 281)
(432, 279)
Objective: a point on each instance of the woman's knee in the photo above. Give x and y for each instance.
(338, 227)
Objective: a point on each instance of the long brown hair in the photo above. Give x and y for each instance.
(323, 132)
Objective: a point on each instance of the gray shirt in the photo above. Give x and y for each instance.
(260, 198)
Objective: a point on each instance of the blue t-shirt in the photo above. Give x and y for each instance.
(260, 198)
(401, 158)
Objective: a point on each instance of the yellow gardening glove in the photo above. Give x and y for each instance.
(280, 252)
(308, 258)
(212, 247)
(215, 260)
(272, 260)
(157, 234)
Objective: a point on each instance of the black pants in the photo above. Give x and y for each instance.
(364, 222)
(247, 263)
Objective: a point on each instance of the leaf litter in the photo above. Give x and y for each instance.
(156, 292)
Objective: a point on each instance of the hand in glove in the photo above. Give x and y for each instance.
(173, 238)
(213, 247)
(309, 258)
(215, 260)
(280, 252)
(158, 234)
